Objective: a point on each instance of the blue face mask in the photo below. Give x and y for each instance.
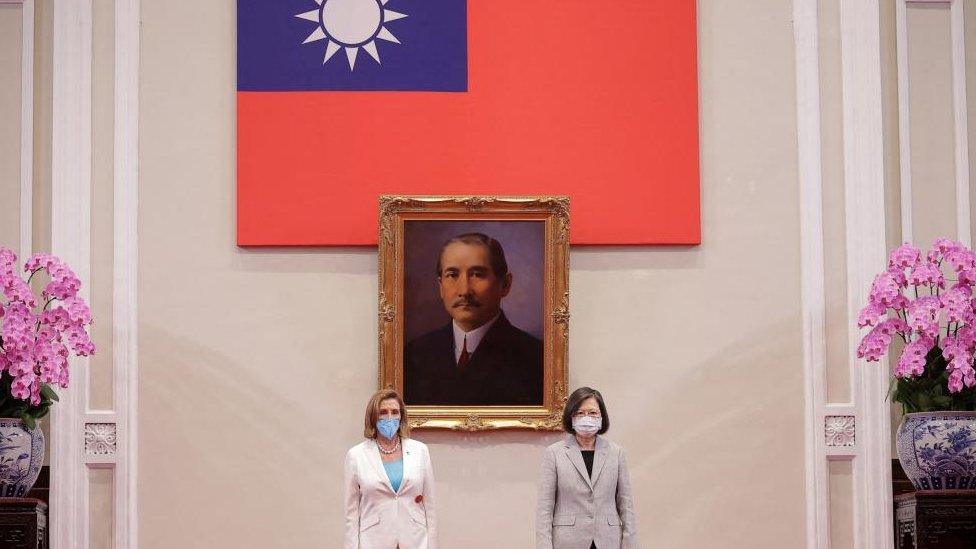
(388, 426)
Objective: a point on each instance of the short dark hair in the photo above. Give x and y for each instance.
(573, 403)
(496, 255)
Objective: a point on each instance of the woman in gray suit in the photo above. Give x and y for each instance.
(584, 495)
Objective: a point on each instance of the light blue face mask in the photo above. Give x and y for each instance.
(388, 426)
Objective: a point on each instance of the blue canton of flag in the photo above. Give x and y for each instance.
(392, 45)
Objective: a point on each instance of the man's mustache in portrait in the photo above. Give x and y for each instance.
(466, 302)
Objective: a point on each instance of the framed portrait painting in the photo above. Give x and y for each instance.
(473, 309)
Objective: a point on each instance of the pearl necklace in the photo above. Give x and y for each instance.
(390, 451)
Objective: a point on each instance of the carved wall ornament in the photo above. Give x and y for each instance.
(100, 439)
(839, 430)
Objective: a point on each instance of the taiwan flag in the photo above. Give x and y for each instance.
(341, 101)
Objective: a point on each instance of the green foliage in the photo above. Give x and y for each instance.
(929, 392)
(22, 409)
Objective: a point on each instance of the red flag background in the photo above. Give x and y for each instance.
(598, 101)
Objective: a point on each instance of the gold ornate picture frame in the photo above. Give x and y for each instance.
(536, 230)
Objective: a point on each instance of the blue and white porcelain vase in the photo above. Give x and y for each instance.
(937, 450)
(21, 457)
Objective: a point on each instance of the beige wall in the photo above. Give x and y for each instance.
(836, 326)
(103, 148)
(931, 123)
(11, 17)
(255, 364)
(43, 106)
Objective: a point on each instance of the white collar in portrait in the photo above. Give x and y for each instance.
(474, 336)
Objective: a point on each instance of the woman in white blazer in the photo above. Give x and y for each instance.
(584, 493)
(389, 483)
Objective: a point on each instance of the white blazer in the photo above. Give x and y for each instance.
(379, 518)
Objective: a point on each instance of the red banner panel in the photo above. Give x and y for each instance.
(598, 101)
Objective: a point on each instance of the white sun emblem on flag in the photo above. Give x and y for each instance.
(351, 25)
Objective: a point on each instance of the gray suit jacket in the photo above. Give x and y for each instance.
(574, 510)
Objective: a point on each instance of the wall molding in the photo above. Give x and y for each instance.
(855, 431)
(84, 439)
(858, 431)
(865, 238)
(71, 149)
(125, 270)
(808, 112)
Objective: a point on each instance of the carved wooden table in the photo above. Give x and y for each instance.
(936, 520)
(23, 523)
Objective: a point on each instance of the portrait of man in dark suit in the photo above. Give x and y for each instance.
(477, 358)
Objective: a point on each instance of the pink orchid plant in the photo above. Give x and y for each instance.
(38, 334)
(927, 302)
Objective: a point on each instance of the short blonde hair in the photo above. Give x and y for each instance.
(373, 413)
